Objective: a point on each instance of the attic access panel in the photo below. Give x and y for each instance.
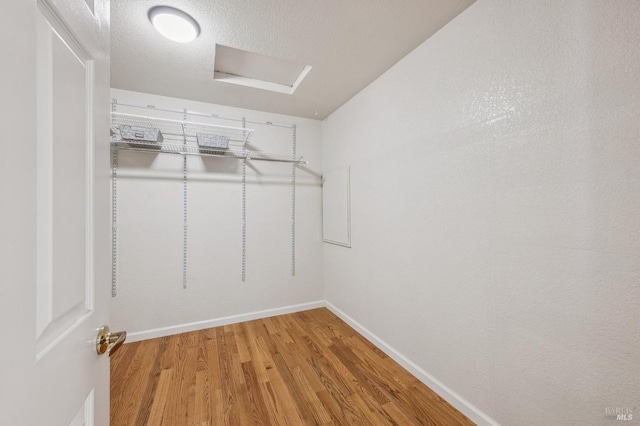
(250, 69)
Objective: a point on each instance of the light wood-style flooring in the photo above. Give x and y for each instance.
(306, 368)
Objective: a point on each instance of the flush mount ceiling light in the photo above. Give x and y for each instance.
(174, 24)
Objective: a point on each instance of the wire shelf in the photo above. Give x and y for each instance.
(180, 137)
(175, 131)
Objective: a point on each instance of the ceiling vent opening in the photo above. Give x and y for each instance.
(250, 69)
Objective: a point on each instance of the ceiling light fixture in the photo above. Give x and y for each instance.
(174, 24)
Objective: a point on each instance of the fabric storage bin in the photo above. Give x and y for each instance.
(216, 142)
(148, 137)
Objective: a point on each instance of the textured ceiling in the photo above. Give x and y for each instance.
(349, 43)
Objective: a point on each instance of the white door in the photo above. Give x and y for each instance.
(54, 206)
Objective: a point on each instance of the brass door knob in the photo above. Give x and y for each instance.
(108, 341)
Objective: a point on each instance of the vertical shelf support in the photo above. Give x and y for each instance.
(293, 203)
(243, 208)
(184, 211)
(114, 211)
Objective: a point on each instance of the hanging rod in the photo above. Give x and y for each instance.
(203, 152)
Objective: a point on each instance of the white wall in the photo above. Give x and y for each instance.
(150, 293)
(495, 208)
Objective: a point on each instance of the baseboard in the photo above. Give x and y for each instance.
(216, 322)
(461, 404)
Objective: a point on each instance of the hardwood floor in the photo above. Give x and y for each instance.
(307, 368)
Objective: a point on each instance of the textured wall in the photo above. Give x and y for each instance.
(150, 293)
(495, 208)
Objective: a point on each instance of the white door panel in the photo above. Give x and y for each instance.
(55, 192)
(71, 210)
(64, 209)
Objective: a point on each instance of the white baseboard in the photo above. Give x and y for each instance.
(216, 322)
(461, 404)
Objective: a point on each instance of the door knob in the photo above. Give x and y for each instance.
(108, 341)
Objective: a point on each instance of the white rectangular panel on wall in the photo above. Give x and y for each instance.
(336, 207)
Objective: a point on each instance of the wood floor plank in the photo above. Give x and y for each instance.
(213, 365)
(175, 360)
(260, 362)
(156, 410)
(332, 407)
(135, 382)
(272, 403)
(124, 352)
(202, 393)
(347, 358)
(286, 401)
(397, 415)
(308, 372)
(186, 406)
(217, 415)
(298, 391)
(254, 392)
(151, 386)
(374, 414)
(241, 342)
(305, 368)
(228, 406)
(341, 390)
